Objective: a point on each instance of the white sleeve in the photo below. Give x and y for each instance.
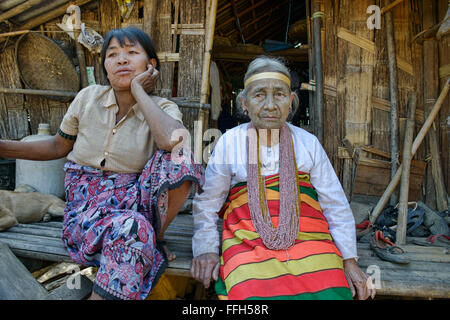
(207, 204)
(334, 204)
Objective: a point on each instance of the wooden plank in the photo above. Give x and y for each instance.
(55, 224)
(35, 231)
(24, 245)
(42, 240)
(433, 267)
(16, 282)
(414, 289)
(413, 248)
(416, 256)
(373, 176)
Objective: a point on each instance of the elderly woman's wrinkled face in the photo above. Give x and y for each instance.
(124, 63)
(268, 103)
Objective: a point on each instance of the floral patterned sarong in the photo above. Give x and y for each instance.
(112, 220)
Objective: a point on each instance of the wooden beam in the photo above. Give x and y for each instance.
(241, 14)
(255, 21)
(50, 15)
(388, 7)
(19, 9)
(247, 53)
(237, 21)
(266, 26)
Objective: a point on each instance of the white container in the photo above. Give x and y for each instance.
(45, 176)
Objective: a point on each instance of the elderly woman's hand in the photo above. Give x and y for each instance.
(358, 280)
(146, 80)
(204, 267)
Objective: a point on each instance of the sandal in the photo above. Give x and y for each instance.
(385, 249)
(389, 217)
(437, 240)
(363, 229)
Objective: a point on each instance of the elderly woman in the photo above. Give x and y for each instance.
(121, 194)
(288, 231)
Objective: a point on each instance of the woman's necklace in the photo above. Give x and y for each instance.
(282, 237)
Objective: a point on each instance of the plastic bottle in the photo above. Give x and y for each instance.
(45, 176)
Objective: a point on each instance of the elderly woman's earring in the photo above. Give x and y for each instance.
(246, 113)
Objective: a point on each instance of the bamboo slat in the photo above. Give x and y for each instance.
(368, 45)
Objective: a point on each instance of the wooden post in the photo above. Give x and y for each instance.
(81, 61)
(310, 61)
(417, 141)
(318, 107)
(393, 92)
(406, 165)
(431, 90)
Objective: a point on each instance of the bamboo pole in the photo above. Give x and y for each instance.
(393, 92)
(14, 33)
(431, 86)
(318, 107)
(204, 90)
(417, 141)
(406, 165)
(57, 93)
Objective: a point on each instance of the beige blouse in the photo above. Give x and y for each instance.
(124, 147)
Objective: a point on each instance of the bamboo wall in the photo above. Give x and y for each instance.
(177, 29)
(355, 70)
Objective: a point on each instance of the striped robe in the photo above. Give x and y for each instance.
(311, 269)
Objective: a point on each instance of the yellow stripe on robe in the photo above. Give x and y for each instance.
(305, 236)
(265, 270)
(272, 195)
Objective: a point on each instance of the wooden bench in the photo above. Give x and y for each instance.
(427, 275)
(42, 241)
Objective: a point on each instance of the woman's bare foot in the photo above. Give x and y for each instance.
(95, 296)
(169, 254)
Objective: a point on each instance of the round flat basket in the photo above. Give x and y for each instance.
(43, 65)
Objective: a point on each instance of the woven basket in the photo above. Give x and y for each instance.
(44, 65)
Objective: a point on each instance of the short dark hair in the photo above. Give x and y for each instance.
(131, 34)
